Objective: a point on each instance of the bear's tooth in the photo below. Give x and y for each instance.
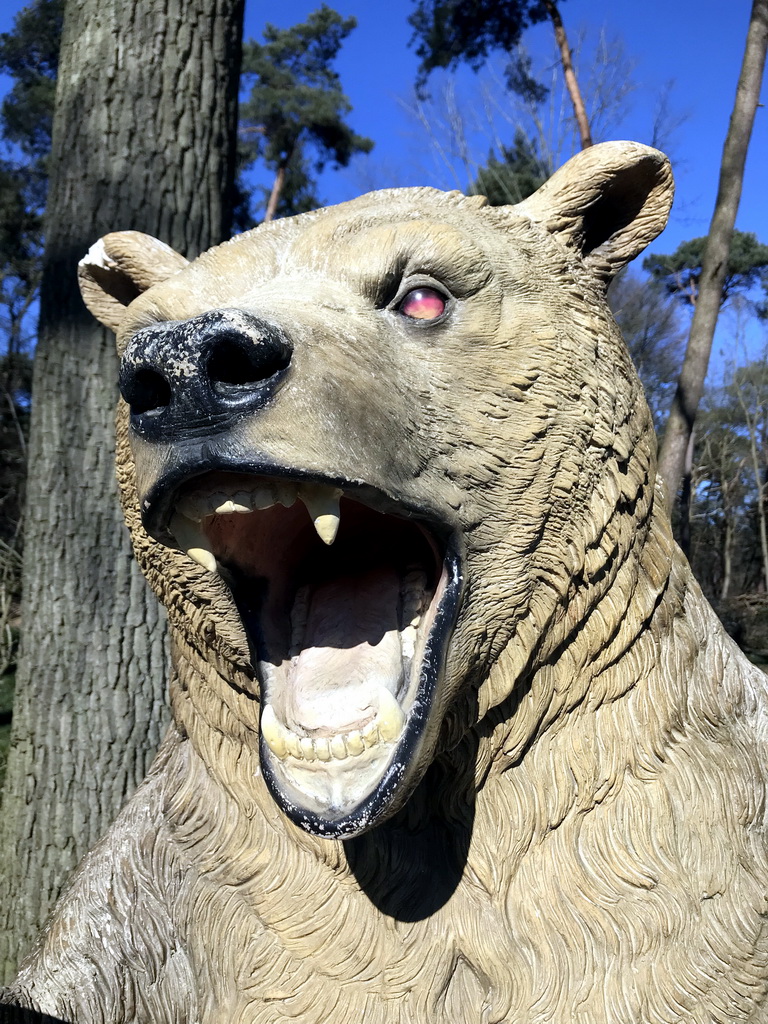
(322, 748)
(195, 506)
(193, 541)
(370, 734)
(390, 718)
(354, 743)
(261, 497)
(273, 732)
(322, 503)
(408, 641)
(204, 558)
(327, 527)
(293, 742)
(285, 493)
(338, 748)
(413, 595)
(230, 506)
(307, 747)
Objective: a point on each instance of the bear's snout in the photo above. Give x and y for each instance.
(202, 374)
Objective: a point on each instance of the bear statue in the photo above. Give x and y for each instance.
(456, 737)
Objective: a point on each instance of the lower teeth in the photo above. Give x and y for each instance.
(389, 722)
(282, 741)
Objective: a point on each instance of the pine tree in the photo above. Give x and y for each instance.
(294, 118)
(680, 272)
(449, 32)
(514, 176)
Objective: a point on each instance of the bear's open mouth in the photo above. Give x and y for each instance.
(348, 611)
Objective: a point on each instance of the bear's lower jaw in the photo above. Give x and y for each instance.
(348, 611)
(345, 712)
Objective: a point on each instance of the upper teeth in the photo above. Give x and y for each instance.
(199, 504)
(323, 505)
(192, 539)
(321, 501)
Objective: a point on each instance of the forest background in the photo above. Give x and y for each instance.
(649, 72)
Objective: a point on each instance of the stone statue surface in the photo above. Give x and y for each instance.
(456, 737)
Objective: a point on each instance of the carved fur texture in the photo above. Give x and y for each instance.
(584, 836)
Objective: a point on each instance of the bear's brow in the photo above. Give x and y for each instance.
(393, 252)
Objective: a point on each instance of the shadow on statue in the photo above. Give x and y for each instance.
(18, 1015)
(410, 866)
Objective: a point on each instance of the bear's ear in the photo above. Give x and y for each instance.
(121, 266)
(608, 202)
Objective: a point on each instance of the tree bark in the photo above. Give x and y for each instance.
(725, 587)
(686, 499)
(144, 137)
(715, 263)
(571, 82)
(759, 475)
(274, 195)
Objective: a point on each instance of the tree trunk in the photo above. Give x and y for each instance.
(725, 587)
(715, 263)
(571, 83)
(763, 539)
(277, 190)
(686, 499)
(144, 137)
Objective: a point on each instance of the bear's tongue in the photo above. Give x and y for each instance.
(345, 649)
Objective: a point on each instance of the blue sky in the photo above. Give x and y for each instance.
(698, 48)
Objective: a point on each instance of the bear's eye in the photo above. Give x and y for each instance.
(422, 304)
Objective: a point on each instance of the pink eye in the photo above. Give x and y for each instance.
(422, 304)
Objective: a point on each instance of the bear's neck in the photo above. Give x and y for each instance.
(609, 633)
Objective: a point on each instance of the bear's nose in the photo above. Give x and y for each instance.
(185, 378)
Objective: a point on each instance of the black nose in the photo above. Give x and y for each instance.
(195, 376)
